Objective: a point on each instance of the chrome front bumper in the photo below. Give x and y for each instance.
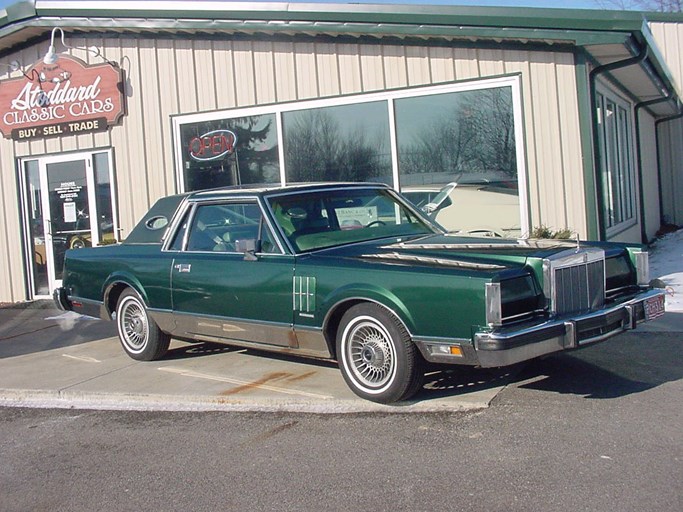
(507, 346)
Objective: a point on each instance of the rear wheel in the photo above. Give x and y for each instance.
(376, 356)
(140, 336)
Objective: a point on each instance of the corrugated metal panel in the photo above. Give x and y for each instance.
(441, 62)
(669, 38)
(328, 69)
(204, 70)
(670, 142)
(168, 98)
(395, 63)
(372, 68)
(12, 273)
(417, 63)
(306, 71)
(285, 72)
(349, 68)
(11, 263)
(264, 72)
(154, 124)
(128, 140)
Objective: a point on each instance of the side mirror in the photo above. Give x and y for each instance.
(248, 246)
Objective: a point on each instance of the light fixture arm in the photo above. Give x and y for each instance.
(51, 55)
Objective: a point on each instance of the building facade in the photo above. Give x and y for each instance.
(495, 121)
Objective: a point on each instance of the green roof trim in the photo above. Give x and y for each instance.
(583, 20)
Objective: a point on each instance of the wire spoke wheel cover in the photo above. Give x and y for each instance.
(140, 336)
(370, 352)
(133, 325)
(376, 356)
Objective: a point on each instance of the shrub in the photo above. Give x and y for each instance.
(546, 232)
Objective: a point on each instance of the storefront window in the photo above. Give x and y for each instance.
(452, 149)
(338, 143)
(457, 159)
(224, 152)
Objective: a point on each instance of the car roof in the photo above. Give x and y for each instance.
(273, 189)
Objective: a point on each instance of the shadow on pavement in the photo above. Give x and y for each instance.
(628, 364)
(37, 326)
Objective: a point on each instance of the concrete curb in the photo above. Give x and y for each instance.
(48, 399)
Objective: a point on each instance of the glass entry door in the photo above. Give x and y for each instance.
(68, 205)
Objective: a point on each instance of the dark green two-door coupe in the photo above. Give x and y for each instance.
(352, 272)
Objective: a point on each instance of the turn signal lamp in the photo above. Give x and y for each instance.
(447, 350)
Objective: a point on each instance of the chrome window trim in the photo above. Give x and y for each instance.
(193, 204)
(353, 186)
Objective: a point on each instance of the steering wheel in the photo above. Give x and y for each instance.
(376, 223)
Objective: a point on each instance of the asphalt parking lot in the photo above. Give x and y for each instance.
(49, 358)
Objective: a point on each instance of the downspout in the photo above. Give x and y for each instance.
(641, 195)
(592, 80)
(659, 160)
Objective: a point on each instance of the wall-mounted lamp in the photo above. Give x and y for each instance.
(51, 55)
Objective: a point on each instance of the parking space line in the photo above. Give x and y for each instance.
(241, 383)
(85, 359)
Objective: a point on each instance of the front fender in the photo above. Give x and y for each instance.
(357, 292)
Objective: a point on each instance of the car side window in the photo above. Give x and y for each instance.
(225, 227)
(177, 243)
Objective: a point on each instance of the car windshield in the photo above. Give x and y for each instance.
(315, 220)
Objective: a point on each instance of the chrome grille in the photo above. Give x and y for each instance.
(575, 282)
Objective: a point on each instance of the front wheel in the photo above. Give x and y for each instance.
(139, 334)
(376, 356)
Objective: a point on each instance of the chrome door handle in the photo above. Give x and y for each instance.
(183, 267)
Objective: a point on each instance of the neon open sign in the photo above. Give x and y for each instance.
(212, 145)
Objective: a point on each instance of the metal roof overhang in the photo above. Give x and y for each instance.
(606, 38)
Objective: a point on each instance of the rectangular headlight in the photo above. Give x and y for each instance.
(494, 309)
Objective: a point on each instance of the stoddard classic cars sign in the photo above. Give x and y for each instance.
(65, 98)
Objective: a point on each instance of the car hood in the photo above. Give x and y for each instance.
(465, 252)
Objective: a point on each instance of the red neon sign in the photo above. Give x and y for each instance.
(212, 145)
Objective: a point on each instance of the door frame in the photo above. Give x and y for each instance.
(91, 183)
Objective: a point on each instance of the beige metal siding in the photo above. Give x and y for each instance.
(669, 37)
(671, 171)
(167, 77)
(651, 200)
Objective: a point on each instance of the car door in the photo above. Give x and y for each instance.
(230, 278)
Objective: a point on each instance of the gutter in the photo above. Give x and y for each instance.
(592, 80)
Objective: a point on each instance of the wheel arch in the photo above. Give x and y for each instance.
(336, 312)
(115, 285)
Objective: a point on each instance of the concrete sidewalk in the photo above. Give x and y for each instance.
(49, 358)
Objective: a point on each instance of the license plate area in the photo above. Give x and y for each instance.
(654, 307)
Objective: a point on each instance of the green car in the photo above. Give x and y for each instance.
(355, 273)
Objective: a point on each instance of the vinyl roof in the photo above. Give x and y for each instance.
(606, 36)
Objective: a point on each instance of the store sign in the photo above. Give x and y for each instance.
(65, 98)
(212, 145)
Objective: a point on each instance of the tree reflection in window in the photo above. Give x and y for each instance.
(340, 143)
(470, 132)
